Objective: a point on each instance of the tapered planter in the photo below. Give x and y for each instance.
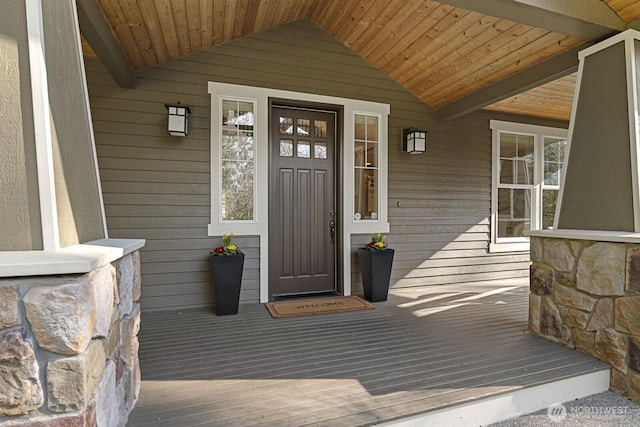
(375, 267)
(227, 277)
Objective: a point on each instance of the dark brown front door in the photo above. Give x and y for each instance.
(301, 202)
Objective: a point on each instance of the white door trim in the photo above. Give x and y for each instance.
(259, 226)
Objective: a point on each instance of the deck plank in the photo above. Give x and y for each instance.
(420, 351)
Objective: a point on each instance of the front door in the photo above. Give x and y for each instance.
(302, 227)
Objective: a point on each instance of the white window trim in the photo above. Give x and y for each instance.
(372, 225)
(539, 133)
(259, 227)
(216, 167)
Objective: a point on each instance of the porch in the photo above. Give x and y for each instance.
(462, 346)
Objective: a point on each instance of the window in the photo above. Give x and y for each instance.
(527, 172)
(237, 165)
(366, 155)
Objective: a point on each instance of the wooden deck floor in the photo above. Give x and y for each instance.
(422, 350)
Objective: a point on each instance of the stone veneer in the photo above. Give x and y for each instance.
(586, 295)
(69, 347)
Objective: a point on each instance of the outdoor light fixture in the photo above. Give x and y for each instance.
(178, 119)
(414, 141)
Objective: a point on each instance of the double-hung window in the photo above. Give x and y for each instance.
(527, 171)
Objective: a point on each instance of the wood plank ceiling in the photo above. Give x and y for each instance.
(439, 52)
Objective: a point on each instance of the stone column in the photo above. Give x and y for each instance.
(69, 347)
(585, 274)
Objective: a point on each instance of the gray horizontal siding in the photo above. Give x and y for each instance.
(157, 187)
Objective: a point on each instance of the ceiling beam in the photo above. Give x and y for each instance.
(97, 31)
(554, 68)
(584, 19)
(590, 20)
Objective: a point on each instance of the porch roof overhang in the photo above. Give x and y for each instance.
(457, 56)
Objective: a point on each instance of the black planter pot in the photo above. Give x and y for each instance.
(375, 267)
(227, 277)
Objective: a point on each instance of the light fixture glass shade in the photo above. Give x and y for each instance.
(415, 141)
(178, 122)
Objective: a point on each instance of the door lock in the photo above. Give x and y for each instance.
(332, 226)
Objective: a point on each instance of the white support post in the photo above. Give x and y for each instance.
(632, 100)
(42, 126)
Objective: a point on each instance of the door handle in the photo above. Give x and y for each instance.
(332, 229)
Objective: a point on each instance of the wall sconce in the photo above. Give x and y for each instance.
(414, 141)
(178, 119)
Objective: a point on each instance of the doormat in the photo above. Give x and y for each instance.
(309, 306)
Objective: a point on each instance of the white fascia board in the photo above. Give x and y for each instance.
(527, 128)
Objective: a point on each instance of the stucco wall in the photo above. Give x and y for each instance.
(591, 192)
(79, 207)
(77, 192)
(19, 208)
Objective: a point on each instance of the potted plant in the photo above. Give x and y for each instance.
(227, 263)
(376, 260)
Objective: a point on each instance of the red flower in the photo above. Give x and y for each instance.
(219, 250)
(371, 244)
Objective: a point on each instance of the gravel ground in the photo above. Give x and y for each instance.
(604, 409)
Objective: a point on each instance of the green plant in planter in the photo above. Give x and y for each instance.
(227, 247)
(376, 261)
(227, 263)
(377, 243)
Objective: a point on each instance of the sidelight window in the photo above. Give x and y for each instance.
(237, 160)
(367, 167)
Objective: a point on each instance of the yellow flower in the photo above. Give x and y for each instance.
(232, 247)
(380, 244)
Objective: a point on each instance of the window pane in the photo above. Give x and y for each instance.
(303, 128)
(551, 173)
(286, 148)
(237, 194)
(507, 171)
(304, 149)
(514, 212)
(366, 194)
(236, 114)
(508, 149)
(516, 159)
(286, 125)
(360, 127)
(525, 159)
(554, 152)
(237, 145)
(319, 128)
(320, 150)
(549, 201)
(372, 154)
(360, 153)
(372, 128)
